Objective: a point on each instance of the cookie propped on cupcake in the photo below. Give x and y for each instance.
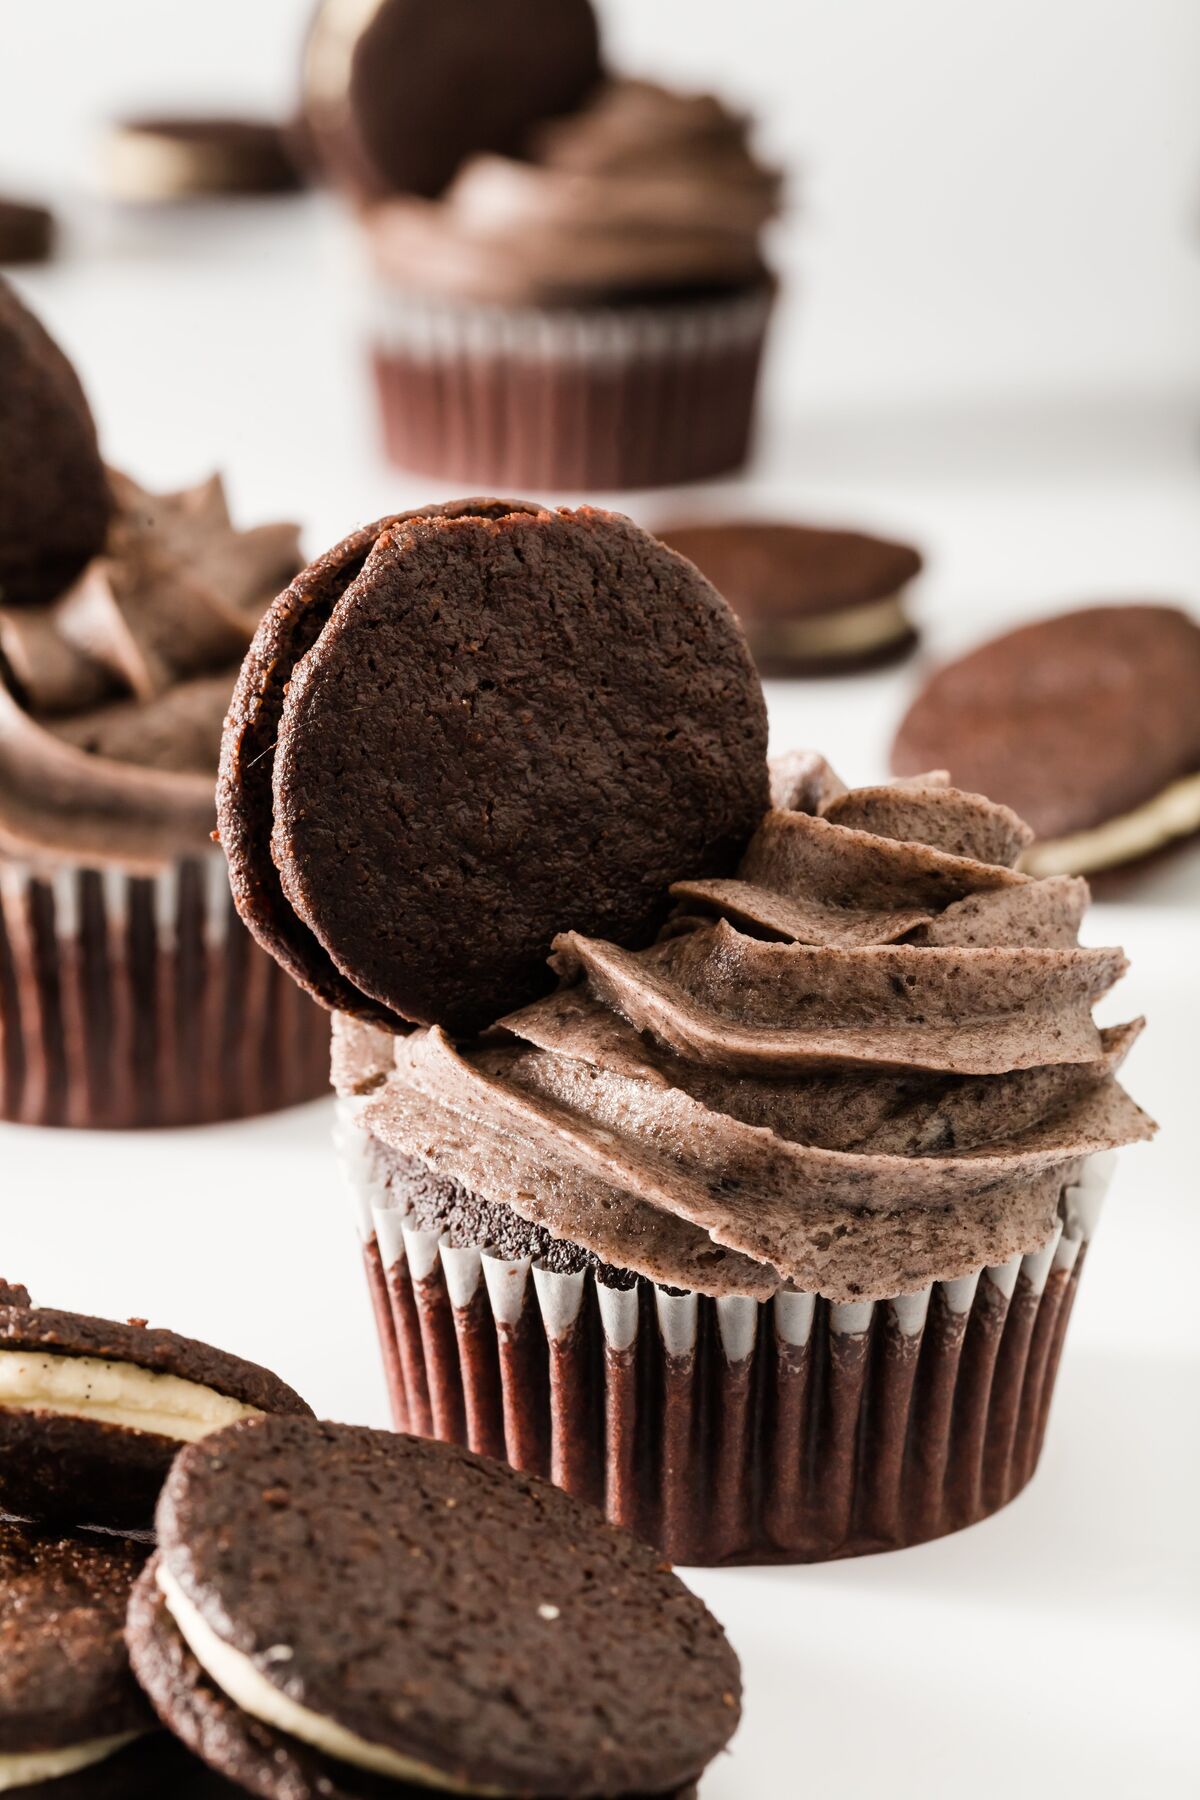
(461, 1627)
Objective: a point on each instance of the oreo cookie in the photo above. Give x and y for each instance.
(397, 93)
(1087, 724)
(164, 159)
(74, 1725)
(54, 496)
(93, 1411)
(811, 601)
(465, 730)
(354, 1615)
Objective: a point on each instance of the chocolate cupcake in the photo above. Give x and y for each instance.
(765, 1238)
(129, 992)
(590, 314)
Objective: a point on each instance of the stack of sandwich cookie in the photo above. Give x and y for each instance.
(92, 1411)
(342, 1614)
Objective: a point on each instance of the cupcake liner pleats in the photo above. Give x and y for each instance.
(140, 1000)
(615, 397)
(732, 1430)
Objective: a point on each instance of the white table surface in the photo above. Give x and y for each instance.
(1050, 1651)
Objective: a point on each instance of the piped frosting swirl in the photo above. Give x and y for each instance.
(112, 697)
(642, 191)
(867, 1063)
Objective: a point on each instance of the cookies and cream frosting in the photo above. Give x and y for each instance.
(112, 697)
(643, 191)
(865, 1063)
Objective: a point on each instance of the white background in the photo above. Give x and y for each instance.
(991, 343)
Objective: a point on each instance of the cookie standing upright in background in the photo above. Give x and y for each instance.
(1087, 723)
(811, 601)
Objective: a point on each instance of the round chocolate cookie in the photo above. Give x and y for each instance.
(163, 159)
(340, 1612)
(93, 1411)
(811, 601)
(27, 232)
(397, 93)
(464, 731)
(1087, 724)
(74, 1725)
(54, 496)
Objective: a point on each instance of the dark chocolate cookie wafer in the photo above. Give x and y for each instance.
(54, 498)
(26, 232)
(73, 1722)
(92, 1411)
(812, 601)
(464, 731)
(153, 159)
(386, 1607)
(1087, 724)
(398, 92)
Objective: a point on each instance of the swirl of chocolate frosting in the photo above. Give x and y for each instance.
(865, 1064)
(642, 192)
(112, 697)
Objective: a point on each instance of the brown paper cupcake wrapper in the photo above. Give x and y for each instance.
(607, 397)
(731, 1430)
(130, 1000)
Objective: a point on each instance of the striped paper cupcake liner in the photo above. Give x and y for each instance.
(141, 1000)
(611, 397)
(730, 1430)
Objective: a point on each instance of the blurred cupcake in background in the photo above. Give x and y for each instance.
(129, 992)
(589, 316)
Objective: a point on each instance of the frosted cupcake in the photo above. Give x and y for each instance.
(591, 315)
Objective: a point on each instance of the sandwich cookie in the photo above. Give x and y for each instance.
(164, 159)
(92, 1411)
(1087, 724)
(74, 1725)
(398, 93)
(811, 601)
(343, 1614)
(54, 496)
(465, 730)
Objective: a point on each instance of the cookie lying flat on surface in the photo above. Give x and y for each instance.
(465, 730)
(464, 1627)
(180, 159)
(26, 232)
(92, 1411)
(811, 601)
(54, 497)
(1087, 724)
(397, 93)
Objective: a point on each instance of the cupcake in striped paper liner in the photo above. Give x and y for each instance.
(588, 315)
(130, 993)
(765, 1238)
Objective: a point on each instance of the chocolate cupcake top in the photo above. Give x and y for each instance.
(644, 192)
(864, 1063)
(112, 694)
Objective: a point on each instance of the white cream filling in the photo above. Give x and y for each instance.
(141, 165)
(852, 631)
(25, 1768)
(248, 1688)
(1172, 814)
(115, 1393)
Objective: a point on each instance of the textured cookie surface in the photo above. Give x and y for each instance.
(397, 102)
(474, 1620)
(54, 499)
(1070, 721)
(478, 729)
(64, 1673)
